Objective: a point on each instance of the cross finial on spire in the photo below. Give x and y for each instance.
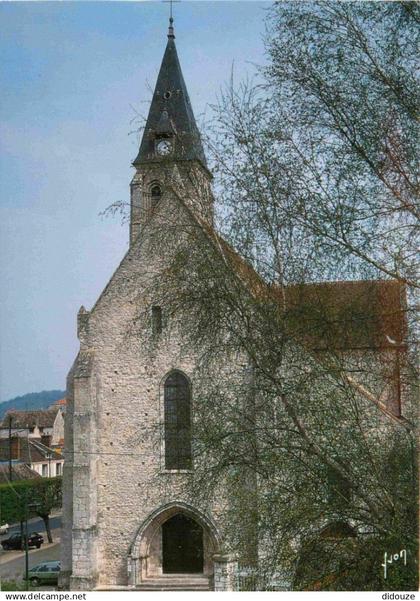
(171, 33)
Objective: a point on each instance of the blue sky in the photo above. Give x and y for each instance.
(73, 77)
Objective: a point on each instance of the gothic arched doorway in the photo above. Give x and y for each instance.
(182, 545)
(173, 528)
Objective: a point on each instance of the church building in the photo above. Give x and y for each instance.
(130, 516)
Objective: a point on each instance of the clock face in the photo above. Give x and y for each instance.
(164, 147)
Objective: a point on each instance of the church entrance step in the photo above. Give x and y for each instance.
(175, 582)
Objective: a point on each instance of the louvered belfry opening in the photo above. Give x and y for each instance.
(156, 194)
(177, 400)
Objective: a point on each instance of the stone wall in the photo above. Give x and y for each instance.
(115, 477)
(225, 573)
(189, 180)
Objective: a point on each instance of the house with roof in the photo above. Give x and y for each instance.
(45, 425)
(31, 452)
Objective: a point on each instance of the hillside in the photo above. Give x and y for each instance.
(32, 400)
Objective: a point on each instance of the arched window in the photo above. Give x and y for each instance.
(177, 402)
(156, 194)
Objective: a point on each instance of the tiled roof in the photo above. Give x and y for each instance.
(27, 450)
(60, 402)
(342, 315)
(43, 418)
(20, 471)
(347, 315)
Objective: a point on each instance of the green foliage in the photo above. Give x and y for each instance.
(45, 493)
(12, 585)
(317, 163)
(356, 564)
(12, 500)
(340, 560)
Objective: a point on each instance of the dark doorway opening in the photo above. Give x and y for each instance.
(182, 546)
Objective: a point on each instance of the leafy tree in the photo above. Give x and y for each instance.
(317, 160)
(12, 501)
(295, 442)
(30, 497)
(47, 495)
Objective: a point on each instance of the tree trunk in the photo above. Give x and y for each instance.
(46, 518)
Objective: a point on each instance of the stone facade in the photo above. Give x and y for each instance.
(117, 490)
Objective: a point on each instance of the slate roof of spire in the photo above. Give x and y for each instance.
(171, 95)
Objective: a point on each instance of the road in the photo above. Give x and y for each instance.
(12, 567)
(12, 563)
(35, 525)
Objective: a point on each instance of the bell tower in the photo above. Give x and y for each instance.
(171, 154)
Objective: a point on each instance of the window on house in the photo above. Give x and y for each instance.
(58, 469)
(156, 194)
(156, 320)
(177, 404)
(45, 470)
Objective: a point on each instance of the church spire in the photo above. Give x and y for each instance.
(171, 131)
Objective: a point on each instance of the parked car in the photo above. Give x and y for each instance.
(4, 528)
(15, 541)
(44, 572)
